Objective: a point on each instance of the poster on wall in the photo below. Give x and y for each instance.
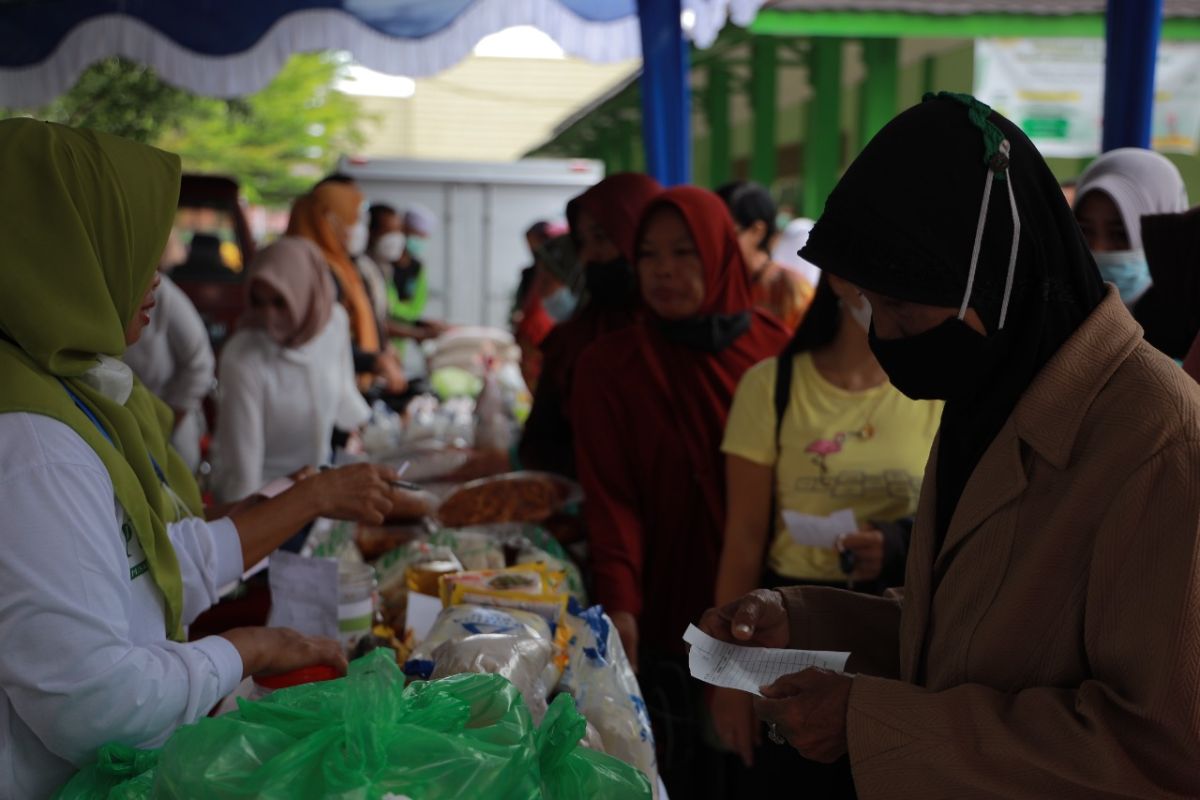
(1054, 89)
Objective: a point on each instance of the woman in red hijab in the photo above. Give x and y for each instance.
(649, 405)
(603, 222)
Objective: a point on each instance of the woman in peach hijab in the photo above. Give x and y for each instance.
(330, 216)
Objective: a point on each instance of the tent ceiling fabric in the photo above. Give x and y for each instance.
(229, 48)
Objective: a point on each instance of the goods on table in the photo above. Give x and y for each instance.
(423, 574)
(265, 685)
(528, 587)
(459, 622)
(516, 497)
(476, 548)
(595, 672)
(524, 661)
(357, 603)
(366, 735)
(467, 348)
(600, 678)
(492, 641)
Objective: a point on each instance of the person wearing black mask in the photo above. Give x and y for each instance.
(1033, 654)
(602, 223)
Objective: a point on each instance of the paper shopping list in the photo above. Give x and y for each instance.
(822, 532)
(748, 668)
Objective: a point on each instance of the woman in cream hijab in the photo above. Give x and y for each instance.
(286, 376)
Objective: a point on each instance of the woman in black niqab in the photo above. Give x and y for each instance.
(903, 223)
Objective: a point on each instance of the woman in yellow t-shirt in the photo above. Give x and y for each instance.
(828, 464)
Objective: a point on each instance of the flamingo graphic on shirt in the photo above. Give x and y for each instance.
(821, 449)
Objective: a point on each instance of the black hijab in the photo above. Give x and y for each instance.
(902, 223)
(1169, 311)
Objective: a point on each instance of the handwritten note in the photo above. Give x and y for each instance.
(748, 668)
(817, 531)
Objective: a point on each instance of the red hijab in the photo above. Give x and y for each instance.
(701, 384)
(616, 203)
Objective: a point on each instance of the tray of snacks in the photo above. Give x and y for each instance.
(513, 497)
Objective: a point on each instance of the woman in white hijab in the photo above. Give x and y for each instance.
(1114, 193)
(286, 378)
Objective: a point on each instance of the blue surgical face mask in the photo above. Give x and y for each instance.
(560, 303)
(416, 246)
(1128, 270)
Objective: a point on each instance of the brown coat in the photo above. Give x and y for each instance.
(1051, 649)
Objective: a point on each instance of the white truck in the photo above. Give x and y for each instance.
(476, 255)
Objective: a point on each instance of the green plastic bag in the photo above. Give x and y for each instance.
(365, 736)
(570, 771)
(120, 773)
(361, 737)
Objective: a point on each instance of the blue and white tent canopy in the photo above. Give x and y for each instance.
(227, 48)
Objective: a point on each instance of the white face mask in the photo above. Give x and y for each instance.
(861, 313)
(110, 377)
(560, 303)
(389, 247)
(358, 238)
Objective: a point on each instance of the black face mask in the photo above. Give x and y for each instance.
(611, 284)
(710, 334)
(946, 362)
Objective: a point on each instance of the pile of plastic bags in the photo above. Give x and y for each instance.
(368, 736)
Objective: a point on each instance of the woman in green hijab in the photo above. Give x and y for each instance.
(103, 563)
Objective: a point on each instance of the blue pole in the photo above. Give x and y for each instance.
(666, 93)
(1132, 32)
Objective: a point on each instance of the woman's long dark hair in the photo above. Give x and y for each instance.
(821, 322)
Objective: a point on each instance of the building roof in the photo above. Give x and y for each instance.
(1171, 8)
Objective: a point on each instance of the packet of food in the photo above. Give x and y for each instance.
(459, 622)
(549, 607)
(521, 658)
(528, 578)
(529, 587)
(601, 679)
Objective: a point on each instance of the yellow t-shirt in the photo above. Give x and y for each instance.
(858, 451)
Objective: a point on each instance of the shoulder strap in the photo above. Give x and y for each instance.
(783, 389)
(783, 393)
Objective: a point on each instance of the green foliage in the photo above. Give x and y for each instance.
(276, 142)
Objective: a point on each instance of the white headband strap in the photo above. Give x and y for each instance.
(979, 228)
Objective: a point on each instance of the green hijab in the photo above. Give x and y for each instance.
(84, 218)
(157, 421)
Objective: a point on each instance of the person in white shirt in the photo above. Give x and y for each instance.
(100, 572)
(287, 376)
(175, 360)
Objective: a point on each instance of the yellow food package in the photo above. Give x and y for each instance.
(531, 588)
(525, 578)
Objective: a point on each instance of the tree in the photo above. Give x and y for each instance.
(123, 98)
(275, 142)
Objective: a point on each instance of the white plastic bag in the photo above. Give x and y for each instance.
(518, 656)
(600, 678)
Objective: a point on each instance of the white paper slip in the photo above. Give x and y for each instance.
(748, 668)
(304, 594)
(819, 531)
(423, 612)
